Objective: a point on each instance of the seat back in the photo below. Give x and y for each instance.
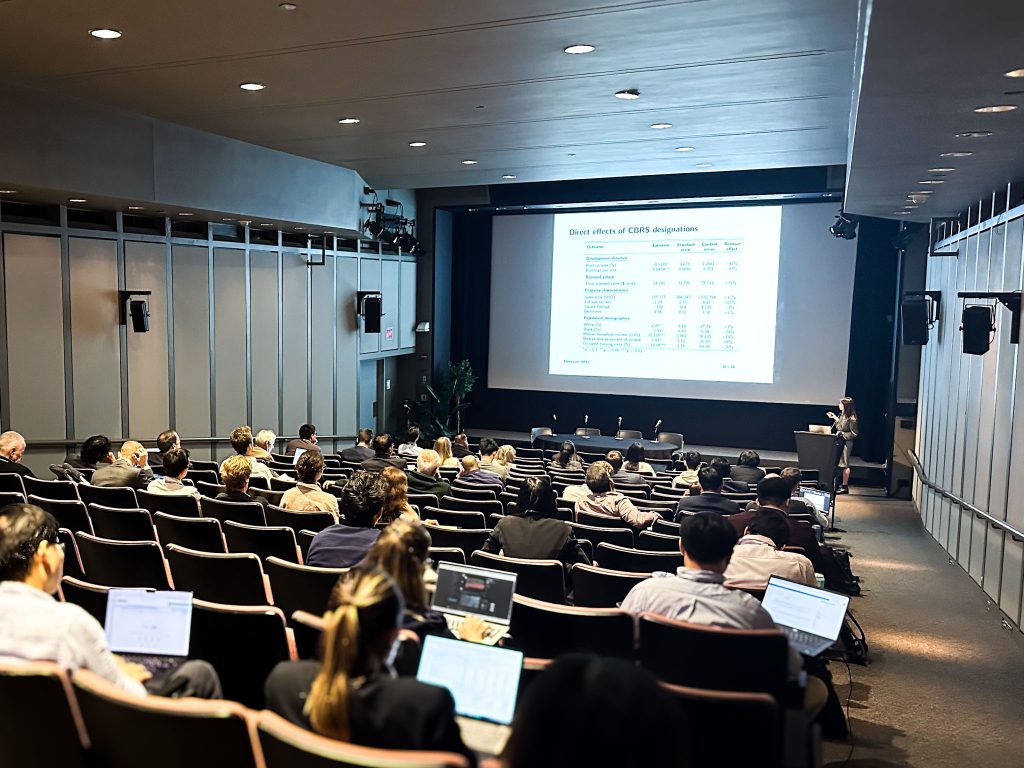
(212, 490)
(601, 521)
(675, 438)
(630, 434)
(470, 505)
(220, 578)
(122, 523)
(243, 643)
(122, 563)
(211, 476)
(447, 555)
(548, 630)
(719, 659)
(91, 597)
(299, 521)
(622, 537)
(10, 482)
(288, 746)
(262, 541)
(476, 493)
(249, 513)
(637, 560)
(540, 579)
(40, 722)
(179, 506)
(70, 514)
(588, 431)
(453, 518)
(467, 539)
(157, 732)
(123, 498)
(596, 587)
(51, 489)
(666, 527)
(658, 542)
(72, 560)
(301, 587)
(308, 630)
(10, 497)
(199, 533)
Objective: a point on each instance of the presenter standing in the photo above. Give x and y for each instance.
(845, 424)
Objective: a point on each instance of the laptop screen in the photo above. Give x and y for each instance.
(467, 590)
(820, 499)
(156, 623)
(808, 609)
(483, 679)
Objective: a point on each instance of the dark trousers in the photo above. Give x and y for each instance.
(195, 678)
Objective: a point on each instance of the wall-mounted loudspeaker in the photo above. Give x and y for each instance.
(978, 324)
(139, 311)
(371, 306)
(916, 317)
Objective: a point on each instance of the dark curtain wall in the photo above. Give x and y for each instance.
(761, 425)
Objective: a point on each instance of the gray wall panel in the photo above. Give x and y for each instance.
(145, 268)
(229, 343)
(323, 346)
(346, 409)
(263, 335)
(390, 323)
(191, 283)
(295, 378)
(407, 307)
(369, 280)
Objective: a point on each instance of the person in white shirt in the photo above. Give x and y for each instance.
(410, 449)
(175, 469)
(759, 555)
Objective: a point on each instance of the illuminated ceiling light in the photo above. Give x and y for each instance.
(660, 126)
(266, 224)
(252, 86)
(185, 213)
(941, 170)
(77, 200)
(1015, 73)
(956, 154)
(417, 143)
(628, 94)
(684, 149)
(901, 213)
(973, 134)
(8, 191)
(931, 181)
(995, 108)
(287, 6)
(136, 208)
(508, 176)
(580, 48)
(105, 33)
(348, 121)
(227, 219)
(705, 165)
(469, 162)
(300, 229)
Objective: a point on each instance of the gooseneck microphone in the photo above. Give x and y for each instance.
(656, 425)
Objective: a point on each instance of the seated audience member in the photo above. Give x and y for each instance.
(472, 472)
(345, 544)
(306, 440)
(235, 473)
(488, 452)
(620, 475)
(460, 446)
(383, 455)
(534, 532)
(263, 444)
(165, 441)
(710, 498)
(361, 451)
(242, 442)
(724, 469)
(796, 505)
(396, 503)
(37, 627)
(95, 450)
(506, 456)
(603, 499)
(351, 695)
(307, 496)
(424, 479)
(747, 469)
(566, 458)
(410, 449)
(579, 710)
(688, 476)
(401, 551)
(635, 461)
(12, 448)
(175, 468)
(758, 555)
(443, 446)
(129, 470)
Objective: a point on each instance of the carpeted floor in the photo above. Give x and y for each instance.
(946, 685)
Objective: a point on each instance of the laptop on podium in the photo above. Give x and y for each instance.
(809, 616)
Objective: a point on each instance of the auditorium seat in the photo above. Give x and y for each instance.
(108, 497)
(470, 505)
(668, 527)
(243, 643)
(540, 579)
(91, 597)
(40, 722)
(530, 454)
(10, 482)
(210, 490)
(287, 746)
(72, 560)
(446, 555)
(658, 542)
(298, 521)
(122, 563)
(201, 465)
(596, 587)
(272, 497)
(476, 493)
(453, 518)
(200, 533)
(262, 540)
(622, 537)
(50, 489)
(549, 630)
(235, 579)
(157, 732)
(70, 514)
(668, 493)
(674, 438)
(467, 539)
(10, 497)
(177, 505)
(249, 513)
(629, 434)
(304, 538)
(422, 500)
(601, 521)
(121, 523)
(301, 587)
(636, 560)
(307, 629)
(259, 482)
(204, 476)
(494, 518)
(588, 432)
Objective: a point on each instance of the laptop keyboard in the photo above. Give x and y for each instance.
(805, 639)
(155, 665)
(483, 737)
(492, 632)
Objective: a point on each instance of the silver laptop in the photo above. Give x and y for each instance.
(465, 590)
(484, 681)
(150, 628)
(820, 499)
(811, 617)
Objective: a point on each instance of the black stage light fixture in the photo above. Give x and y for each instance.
(845, 226)
(373, 225)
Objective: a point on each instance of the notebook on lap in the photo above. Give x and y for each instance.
(809, 616)
(484, 681)
(465, 590)
(150, 628)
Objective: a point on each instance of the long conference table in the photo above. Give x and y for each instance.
(605, 443)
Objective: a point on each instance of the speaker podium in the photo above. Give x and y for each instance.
(820, 451)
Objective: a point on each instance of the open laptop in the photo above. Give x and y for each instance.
(465, 590)
(820, 499)
(484, 682)
(150, 628)
(821, 429)
(811, 617)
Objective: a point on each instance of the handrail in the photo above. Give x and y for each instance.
(63, 443)
(981, 514)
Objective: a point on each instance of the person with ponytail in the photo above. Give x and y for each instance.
(845, 425)
(352, 694)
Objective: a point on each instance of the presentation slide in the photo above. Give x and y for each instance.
(680, 294)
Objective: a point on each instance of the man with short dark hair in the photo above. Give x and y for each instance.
(345, 544)
(175, 468)
(12, 448)
(488, 449)
(306, 440)
(724, 469)
(604, 500)
(460, 446)
(747, 469)
(361, 451)
(424, 478)
(710, 498)
(166, 440)
(759, 555)
(619, 475)
(383, 455)
(95, 450)
(410, 449)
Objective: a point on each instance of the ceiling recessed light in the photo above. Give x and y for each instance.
(684, 149)
(901, 213)
(348, 121)
(185, 213)
(77, 200)
(508, 176)
(469, 162)
(705, 165)
(1015, 73)
(995, 108)
(8, 191)
(300, 229)
(266, 224)
(136, 208)
(287, 6)
(941, 170)
(580, 48)
(227, 219)
(628, 94)
(973, 134)
(252, 86)
(660, 126)
(956, 154)
(931, 181)
(417, 143)
(105, 33)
